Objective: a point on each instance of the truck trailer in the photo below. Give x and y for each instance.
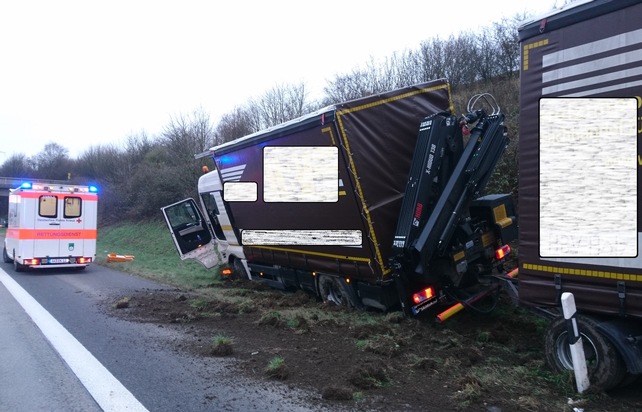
(580, 171)
(51, 225)
(375, 202)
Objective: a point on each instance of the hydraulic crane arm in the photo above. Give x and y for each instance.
(445, 177)
(487, 142)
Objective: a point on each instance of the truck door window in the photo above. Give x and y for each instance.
(191, 232)
(73, 207)
(212, 213)
(48, 206)
(184, 216)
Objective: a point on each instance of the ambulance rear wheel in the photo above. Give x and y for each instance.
(5, 256)
(605, 366)
(17, 266)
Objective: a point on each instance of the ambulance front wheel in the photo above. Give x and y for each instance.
(5, 255)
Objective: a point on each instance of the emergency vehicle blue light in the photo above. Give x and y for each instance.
(26, 185)
(93, 189)
(228, 159)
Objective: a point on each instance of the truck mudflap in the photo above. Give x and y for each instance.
(626, 336)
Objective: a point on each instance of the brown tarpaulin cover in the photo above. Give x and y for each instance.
(376, 137)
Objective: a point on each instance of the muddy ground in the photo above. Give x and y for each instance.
(359, 360)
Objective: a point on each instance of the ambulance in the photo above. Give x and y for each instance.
(51, 225)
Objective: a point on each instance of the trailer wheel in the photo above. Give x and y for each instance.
(336, 290)
(5, 255)
(605, 366)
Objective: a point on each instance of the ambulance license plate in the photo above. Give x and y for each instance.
(58, 261)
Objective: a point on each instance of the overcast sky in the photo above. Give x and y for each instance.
(84, 73)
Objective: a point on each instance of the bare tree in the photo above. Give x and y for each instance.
(505, 37)
(432, 59)
(181, 139)
(185, 136)
(347, 86)
(278, 105)
(408, 68)
(52, 162)
(235, 124)
(17, 165)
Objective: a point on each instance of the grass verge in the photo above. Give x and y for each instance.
(155, 256)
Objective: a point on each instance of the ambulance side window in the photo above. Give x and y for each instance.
(73, 207)
(48, 206)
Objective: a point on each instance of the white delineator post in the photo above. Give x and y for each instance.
(575, 342)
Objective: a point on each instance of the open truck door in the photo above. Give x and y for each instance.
(192, 238)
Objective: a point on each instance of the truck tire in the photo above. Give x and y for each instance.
(5, 255)
(239, 269)
(335, 290)
(605, 366)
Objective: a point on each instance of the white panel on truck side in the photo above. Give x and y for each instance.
(588, 177)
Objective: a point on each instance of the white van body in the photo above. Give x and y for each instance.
(51, 225)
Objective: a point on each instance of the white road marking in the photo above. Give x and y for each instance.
(106, 390)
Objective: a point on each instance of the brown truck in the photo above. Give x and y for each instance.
(373, 202)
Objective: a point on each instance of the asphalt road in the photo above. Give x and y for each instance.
(34, 375)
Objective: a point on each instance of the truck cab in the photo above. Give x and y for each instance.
(201, 229)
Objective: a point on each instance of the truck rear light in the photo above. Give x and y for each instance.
(502, 252)
(84, 260)
(423, 295)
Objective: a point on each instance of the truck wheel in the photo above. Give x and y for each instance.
(239, 269)
(5, 255)
(605, 366)
(336, 290)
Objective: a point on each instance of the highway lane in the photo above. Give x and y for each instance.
(32, 376)
(142, 356)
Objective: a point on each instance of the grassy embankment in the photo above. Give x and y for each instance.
(155, 256)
